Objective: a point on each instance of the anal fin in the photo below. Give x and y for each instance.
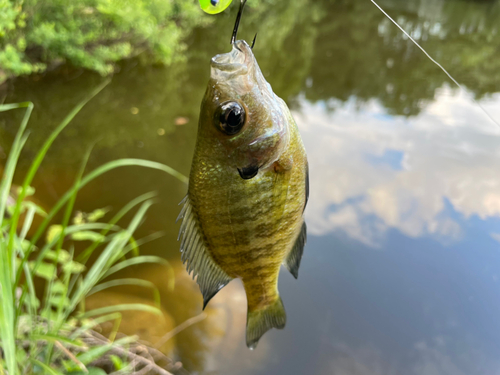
(209, 276)
(292, 261)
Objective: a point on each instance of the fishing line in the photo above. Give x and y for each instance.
(435, 62)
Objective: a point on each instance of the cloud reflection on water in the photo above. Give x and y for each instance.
(431, 358)
(448, 156)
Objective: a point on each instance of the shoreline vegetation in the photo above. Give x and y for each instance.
(105, 35)
(37, 35)
(47, 270)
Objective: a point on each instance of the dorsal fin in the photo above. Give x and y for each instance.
(209, 276)
(292, 261)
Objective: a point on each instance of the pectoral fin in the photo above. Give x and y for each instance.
(307, 186)
(292, 261)
(210, 277)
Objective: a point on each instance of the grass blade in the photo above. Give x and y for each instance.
(67, 215)
(96, 173)
(54, 338)
(46, 369)
(14, 153)
(122, 307)
(41, 154)
(93, 323)
(8, 107)
(8, 175)
(99, 351)
(7, 259)
(107, 258)
(88, 252)
(7, 308)
(64, 225)
(137, 260)
(120, 282)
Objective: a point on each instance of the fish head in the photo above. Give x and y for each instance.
(242, 113)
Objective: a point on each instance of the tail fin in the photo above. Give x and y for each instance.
(261, 321)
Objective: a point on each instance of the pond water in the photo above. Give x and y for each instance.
(401, 272)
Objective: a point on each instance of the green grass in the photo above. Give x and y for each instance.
(51, 332)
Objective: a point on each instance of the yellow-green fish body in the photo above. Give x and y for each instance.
(248, 187)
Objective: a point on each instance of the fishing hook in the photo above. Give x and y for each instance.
(253, 42)
(237, 23)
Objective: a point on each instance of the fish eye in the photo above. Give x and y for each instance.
(231, 117)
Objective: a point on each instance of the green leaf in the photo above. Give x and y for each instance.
(39, 210)
(91, 371)
(59, 299)
(47, 369)
(73, 267)
(99, 351)
(62, 257)
(78, 219)
(97, 214)
(58, 287)
(117, 362)
(45, 270)
(87, 235)
(21, 355)
(25, 244)
(53, 232)
(30, 190)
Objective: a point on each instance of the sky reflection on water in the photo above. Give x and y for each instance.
(371, 171)
(400, 274)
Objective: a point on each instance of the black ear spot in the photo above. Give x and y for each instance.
(248, 172)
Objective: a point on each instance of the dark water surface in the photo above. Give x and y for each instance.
(401, 271)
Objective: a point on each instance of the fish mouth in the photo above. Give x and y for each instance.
(236, 62)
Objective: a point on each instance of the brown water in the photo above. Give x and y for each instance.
(400, 273)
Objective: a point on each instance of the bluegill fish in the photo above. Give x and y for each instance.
(248, 188)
